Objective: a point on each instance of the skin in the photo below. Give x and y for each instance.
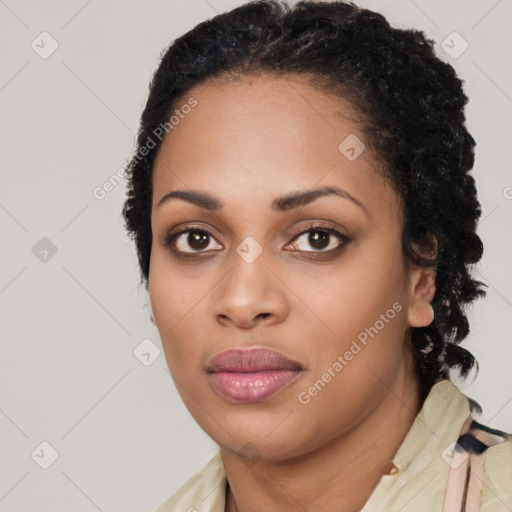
(245, 143)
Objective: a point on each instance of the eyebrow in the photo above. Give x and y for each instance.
(281, 203)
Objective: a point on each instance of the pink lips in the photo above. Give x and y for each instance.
(251, 375)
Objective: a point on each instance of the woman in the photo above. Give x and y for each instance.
(305, 222)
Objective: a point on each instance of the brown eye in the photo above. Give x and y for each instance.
(196, 239)
(319, 239)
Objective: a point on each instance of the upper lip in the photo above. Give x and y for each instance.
(245, 360)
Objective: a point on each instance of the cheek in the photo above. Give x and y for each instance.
(353, 295)
(173, 290)
(175, 302)
(363, 306)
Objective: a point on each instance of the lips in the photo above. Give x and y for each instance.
(251, 375)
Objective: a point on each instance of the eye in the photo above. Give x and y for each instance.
(320, 238)
(192, 240)
(197, 239)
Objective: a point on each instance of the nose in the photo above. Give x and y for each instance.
(250, 295)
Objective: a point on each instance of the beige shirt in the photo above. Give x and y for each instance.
(422, 460)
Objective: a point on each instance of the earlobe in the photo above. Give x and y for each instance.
(151, 317)
(423, 288)
(421, 315)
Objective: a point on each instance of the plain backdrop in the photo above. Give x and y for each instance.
(115, 433)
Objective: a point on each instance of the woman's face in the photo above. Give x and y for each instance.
(337, 306)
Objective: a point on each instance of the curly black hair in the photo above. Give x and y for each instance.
(411, 107)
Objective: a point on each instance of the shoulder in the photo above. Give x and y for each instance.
(497, 485)
(204, 491)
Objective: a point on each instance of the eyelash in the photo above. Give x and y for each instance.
(344, 240)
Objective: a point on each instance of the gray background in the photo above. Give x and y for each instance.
(69, 325)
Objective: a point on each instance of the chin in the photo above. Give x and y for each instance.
(266, 440)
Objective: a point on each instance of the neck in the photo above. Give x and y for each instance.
(346, 470)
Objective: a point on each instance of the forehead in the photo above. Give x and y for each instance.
(265, 135)
(260, 111)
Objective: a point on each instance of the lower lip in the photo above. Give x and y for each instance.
(251, 387)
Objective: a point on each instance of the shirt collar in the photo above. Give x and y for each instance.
(444, 411)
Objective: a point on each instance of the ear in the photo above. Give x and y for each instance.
(422, 288)
(151, 317)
